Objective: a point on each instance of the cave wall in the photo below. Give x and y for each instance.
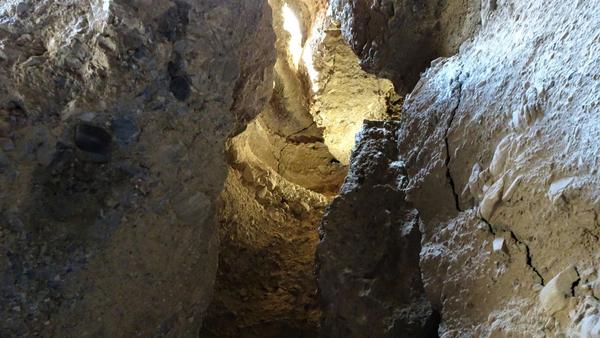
(345, 94)
(285, 137)
(285, 168)
(279, 180)
(475, 214)
(266, 286)
(114, 116)
(499, 143)
(397, 39)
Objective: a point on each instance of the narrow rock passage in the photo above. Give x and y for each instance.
(300, 168)
(266, 285)
(284, 170)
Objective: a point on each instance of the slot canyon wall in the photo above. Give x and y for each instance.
(495, 160)
(114, 118)
(300, 168)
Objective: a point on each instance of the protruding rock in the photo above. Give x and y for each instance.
(499, 245)
(555, 294)
(490, 201)
(369, 274)
(590, 327)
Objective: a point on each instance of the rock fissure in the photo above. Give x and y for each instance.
(528, 256)
(448, 160)
(313, 123)
(489, 225)
(285, 168)
(575, 284)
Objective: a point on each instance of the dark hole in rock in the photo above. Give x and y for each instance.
(22, 10)
(180, 88)
(432, 325)
(175, 66)
(92, 139)
(141, 53)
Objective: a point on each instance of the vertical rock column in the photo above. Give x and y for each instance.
(368, 258)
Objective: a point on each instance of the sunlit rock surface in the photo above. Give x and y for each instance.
(499, 143)
(281, 178)
(285, 168)
(345, 94)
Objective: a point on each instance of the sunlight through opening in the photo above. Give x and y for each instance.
(308, 57)
(292, 25)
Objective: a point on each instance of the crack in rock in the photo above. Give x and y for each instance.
(529, 258)
(287, 139)
(490, 227)
(575, 283)
(448, 156)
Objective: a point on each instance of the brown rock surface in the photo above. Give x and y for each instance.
(115, 235)
(158, 156)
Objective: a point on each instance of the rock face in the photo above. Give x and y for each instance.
(345, 95)
(398, 38)
(473, 214)
(285, 168)
(280, 179)
(368, 258)
(498, 144)
(265, 286)
(113, 123)
(285, 136)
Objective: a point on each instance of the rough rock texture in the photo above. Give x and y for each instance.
(513, 137)
(398, 38)
(286, 166)
(475, 215)
(285, 136)
(368, 259)
(345, 94)
(113, 123)
(279, 183)
(266, 285)
(501, 154)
